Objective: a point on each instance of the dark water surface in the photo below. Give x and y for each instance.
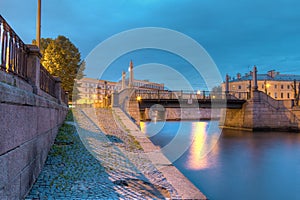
(232, 164)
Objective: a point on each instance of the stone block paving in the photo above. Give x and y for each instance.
(123, 162)
(88, 165)
(71, 172)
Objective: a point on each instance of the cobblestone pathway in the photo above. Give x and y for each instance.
(123, 158)
(88, 164)
(71, 172)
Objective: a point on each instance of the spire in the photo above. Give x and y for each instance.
(131, 78)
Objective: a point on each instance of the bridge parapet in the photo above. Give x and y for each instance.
(181, 94)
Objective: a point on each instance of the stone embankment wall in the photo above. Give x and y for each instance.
(174, 114)
(30, 119)
(264, 113)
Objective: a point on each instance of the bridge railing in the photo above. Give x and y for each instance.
(166, 94)
(239, 95)
(181, 94)
(13, 51)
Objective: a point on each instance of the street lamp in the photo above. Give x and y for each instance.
(267, 85)
(38, 24)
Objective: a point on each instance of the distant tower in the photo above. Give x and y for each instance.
(131, 78)
(123, 80)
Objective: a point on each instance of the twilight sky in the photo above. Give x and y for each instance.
(236, 34)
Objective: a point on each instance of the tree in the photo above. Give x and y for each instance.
(62, 59)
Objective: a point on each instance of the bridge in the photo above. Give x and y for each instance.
(253, 110)
(143, 104)
(190, 99)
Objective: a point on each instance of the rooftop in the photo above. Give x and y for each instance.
(270, 76)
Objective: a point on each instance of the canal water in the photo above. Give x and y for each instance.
(231, 164)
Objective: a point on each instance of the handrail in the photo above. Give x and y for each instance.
(14, 55)
(181, 94)
(47, 81)
(13, 51)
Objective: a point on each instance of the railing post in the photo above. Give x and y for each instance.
(57, 89)
(66, 97)
(33, 67)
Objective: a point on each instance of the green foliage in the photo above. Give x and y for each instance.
(70, 116)
(62, 59)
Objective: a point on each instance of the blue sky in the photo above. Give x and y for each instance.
(236, 34)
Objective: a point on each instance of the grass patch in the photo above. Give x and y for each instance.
(70, 116)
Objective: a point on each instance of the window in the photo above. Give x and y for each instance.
(281, 86)
(281, 95)
(262, 86)
(288, 86)
(288, 95)
(275, 95)
(240, 87)
(275, 86)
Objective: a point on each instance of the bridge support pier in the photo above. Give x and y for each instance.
(262, 113)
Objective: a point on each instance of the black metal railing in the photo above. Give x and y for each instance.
(47, 81)
(166, 94)
(13, 51)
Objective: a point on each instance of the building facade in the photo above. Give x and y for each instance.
(278, 86)
(95, 91)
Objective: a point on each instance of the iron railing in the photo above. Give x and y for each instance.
(166, 94)
(13, 60)
(47, 81)
(13, 51)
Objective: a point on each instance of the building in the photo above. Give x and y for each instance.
(95, 91)
(278, 86)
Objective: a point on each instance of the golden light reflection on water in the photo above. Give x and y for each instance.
(203, 143)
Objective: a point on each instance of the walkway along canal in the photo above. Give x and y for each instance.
(125, 164)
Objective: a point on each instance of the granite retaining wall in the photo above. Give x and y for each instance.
(264, 113)
(174, 114)
(28, 126)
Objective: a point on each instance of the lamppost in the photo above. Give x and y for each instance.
(105, 94)
(38, 24)
(267, 85)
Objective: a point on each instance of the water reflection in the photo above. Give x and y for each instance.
(238, 164)
(203, 146)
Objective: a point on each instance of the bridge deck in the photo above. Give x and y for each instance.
(193, 103)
